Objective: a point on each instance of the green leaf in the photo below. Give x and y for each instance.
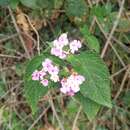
(89, 107)
(4, 2)
(99, 11)
(34, 90)
(85, 30)
(97, 84)
(76, 8)
(38, 4)
(30, 3)
(91, 41)
(45, 4)
(14, 3)
(32, 65)
(58, 3)
(108, 7)
(126, 99)
(2, 91)
(72, 107)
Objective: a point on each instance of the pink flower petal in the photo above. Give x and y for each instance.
(35, 75)
(44, 82)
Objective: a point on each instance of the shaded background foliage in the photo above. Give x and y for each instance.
(89, 21)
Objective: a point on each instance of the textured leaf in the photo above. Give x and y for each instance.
(99, 11)
(108, 7)
(97, 84)
(38, 4)
(91, 40)
(30, 3)
(33, 89)
(126, 98)
(4, 2)
(58, 3)
(93, 43)
(14, 3)
(85, 30)
(45, 4)
(89, 107)
(76, 8)
(72, 107)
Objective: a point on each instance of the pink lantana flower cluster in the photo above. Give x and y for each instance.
(48, 70)
(71, 85)
(62, 46)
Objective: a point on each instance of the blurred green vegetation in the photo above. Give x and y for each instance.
(86, 20)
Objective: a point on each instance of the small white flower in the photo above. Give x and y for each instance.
(54, 78)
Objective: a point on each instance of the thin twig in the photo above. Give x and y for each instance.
(90, 4)
(118, 56)
(13, 50)
(113, 38)
(92, 24)
(16, 86)
(9, 56)
(122, 83)
(125, 48)
(120, 59)
(76, 118)
(55, 113)
(118, 72)
(51, 27)
(7, 68)
(40, 116)
(113, 29)
(36, 32)
(18, 31)
(94, 125)
(8, 38)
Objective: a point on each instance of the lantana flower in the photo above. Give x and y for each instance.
(44, 82)
(74, 46)
(71, 85)
(61, 48)
(35, 75)
(48, 70)
(59, 44)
